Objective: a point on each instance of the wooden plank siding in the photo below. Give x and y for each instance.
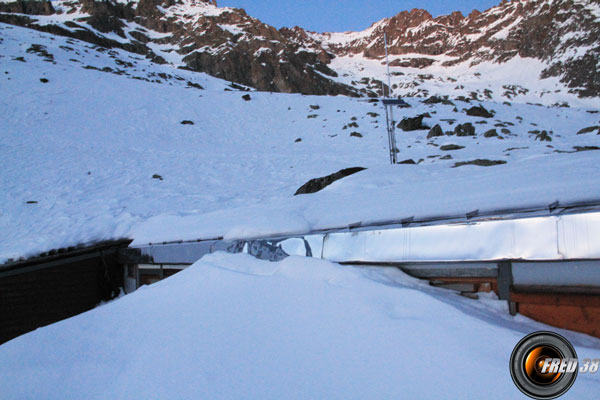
(41, 291)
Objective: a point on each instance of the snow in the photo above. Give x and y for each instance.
(233, 173)
(83, 147)
(487, 75)
(232, 326)
(233, 29)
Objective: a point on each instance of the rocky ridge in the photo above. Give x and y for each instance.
(562, 35)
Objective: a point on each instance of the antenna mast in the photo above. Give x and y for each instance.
(389, 108)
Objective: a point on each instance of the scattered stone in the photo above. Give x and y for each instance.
(437, 100)
(195, 85)
(586, 148)
(247, 97)
(314, 106)
(542, 136)
(356, 134)
(446, 157)
(43, 80)
(19, 59)
(410, 161)
(479, 111)
(481, 122)
(466, 129)
(413, 124)
(373, 114)
(480, 163)
(435, 132)
(317, 184)
(450, 121)
(157, 176)
(353, 119)
(450, 147)
(589, 129)
(41, 51)
(352, 125)
(187, 122)
(31, 202)
(312, 116)
(490, 133)
(298, 140)
(516, 148)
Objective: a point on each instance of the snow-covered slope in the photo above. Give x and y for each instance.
(85, 145)
(233, 327)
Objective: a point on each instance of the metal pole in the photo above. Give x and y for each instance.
(391, 123)
(387, 126)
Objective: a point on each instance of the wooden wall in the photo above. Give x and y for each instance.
(38, 292)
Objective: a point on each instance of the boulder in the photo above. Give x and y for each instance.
(435, 132)
(413, 124)
(466, 129)
(317, 184)
(479, 111)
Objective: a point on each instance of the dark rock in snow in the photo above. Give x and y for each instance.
(43, 80)
(157, 176)
(466, 129)
(479, 111)
(356, 134)
(410, 161)
(542, 136)
(187, 122)
(480, 162)
(413, 124)
(490, 133)
(246, 97)
(435, 132)
(449, 147)
(586, 148)
(433, 100)
(298, 140)
(589, 129)
(317, 184)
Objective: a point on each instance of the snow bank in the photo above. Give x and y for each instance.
(233, 327)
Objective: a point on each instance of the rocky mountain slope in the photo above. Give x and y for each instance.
(555, 43)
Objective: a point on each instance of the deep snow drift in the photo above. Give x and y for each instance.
(84, 146)
(232, 326)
